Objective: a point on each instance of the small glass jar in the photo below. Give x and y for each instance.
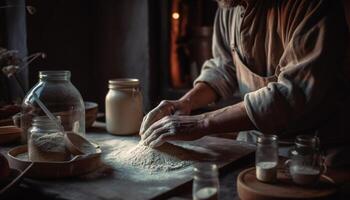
(46, 141)
(306, 163)
(124, 107)
(60, 97)
(205, 182)
(266, 158)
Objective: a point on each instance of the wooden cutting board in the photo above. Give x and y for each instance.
(111, 183)
(249, 188)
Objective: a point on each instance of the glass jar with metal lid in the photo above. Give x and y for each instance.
(306, 163)
(124, 106)
(57, 93)
(266, 158)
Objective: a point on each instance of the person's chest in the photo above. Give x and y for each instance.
(254, 36)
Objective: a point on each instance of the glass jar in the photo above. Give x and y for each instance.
(60, 97)
(306, 163)
(46, 141)
(205, 182)
(266, 158)
(124, 107)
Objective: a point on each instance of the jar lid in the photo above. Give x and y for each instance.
(307, 140)
(267, 139)
(123, 83)
(54, 75)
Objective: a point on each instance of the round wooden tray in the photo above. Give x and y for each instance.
(78, 165)
(250, 188)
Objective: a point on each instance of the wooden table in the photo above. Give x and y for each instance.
(32, 189)
(98, 185)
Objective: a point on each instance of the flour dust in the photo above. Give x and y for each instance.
(131, 158)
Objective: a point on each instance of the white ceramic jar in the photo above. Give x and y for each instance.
(124, 106)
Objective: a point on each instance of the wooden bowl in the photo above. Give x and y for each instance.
(91, 110)
(77, 166)
(9, 134)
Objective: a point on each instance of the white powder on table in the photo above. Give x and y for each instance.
(130, 156)
(145, 157)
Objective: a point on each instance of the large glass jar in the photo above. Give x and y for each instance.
(124, 107)
(60, 97)
(266, 158)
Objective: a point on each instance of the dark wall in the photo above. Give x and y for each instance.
(13, 37)
(121, 44)
(96, 40)
(346, 4)
(61, 29)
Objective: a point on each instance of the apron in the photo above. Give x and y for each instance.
(249, 81)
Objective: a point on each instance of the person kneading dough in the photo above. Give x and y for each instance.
(284, 57)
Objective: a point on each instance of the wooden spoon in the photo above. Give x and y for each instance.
(79, 145)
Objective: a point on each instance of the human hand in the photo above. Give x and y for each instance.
(174, 127)
(165, 108)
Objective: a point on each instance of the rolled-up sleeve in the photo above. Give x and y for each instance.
(309, 68)
(219, 72)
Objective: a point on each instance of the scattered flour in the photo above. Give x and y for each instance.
(134, 155)
(145, 157)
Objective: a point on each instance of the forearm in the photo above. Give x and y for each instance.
(199, 96)
(229, 119)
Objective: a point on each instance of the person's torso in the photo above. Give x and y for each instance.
(258, 35)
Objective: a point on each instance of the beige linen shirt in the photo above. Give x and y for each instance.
(304, 42)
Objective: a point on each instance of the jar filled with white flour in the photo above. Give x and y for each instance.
(124, 106)
(46, 141)
(266, 158)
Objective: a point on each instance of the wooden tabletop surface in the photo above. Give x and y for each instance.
(30, 189)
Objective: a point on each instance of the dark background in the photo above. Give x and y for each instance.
(101, 40)
(95, 40)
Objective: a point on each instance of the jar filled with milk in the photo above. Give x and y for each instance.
(306, 164)
(266, 158)
(124, 106)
